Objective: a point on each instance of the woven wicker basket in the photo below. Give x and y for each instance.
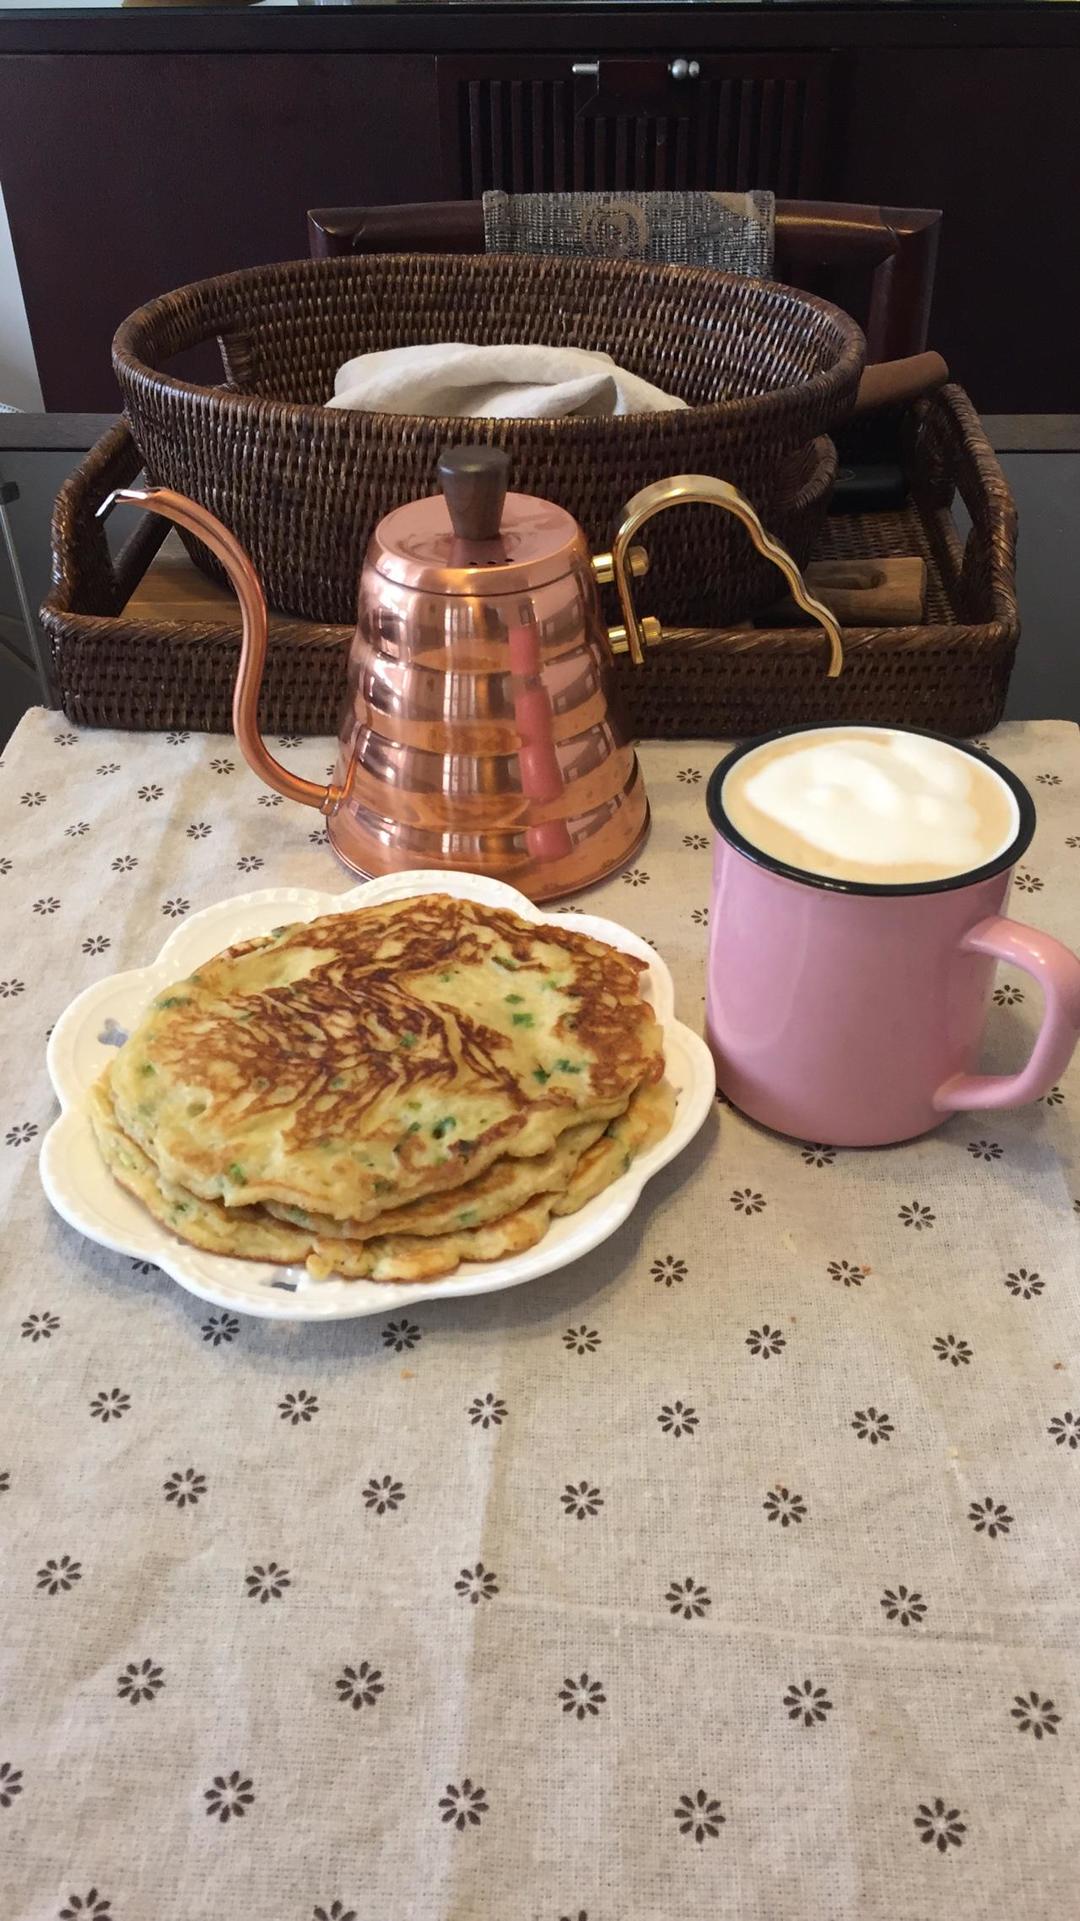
(767, 370)
(117, 669)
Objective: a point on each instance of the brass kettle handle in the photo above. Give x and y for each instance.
(245, 583)
(685, 490)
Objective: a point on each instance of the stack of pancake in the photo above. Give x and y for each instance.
(385, 1093)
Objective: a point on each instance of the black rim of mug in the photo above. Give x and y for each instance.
(879, 890)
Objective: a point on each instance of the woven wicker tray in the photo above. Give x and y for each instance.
(121, 658)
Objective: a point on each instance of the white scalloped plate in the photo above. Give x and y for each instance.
(83, 1192)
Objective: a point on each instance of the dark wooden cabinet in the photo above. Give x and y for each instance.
(582, 121)
(141, 149)
(127, 174)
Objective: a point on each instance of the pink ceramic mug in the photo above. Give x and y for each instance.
(853, 1013)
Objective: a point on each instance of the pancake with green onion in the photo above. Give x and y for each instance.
(356, 1063)
(508, 1183)
(407, 1257)
(251, 1233)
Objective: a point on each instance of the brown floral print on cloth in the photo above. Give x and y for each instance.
(985, 1150)
(688, 1598)
(904, 1605)
(267, 1583)
(88, 1907)
(581, 1500)
(581, 1340)
(11, 1783)
(185, 1488)
(140, 1681)
(582, 1698)
(818, 1154)
(299, 1408)
(990, 1517)
(871, 1426)
(700, 1815)
(940, 1825)
(111, 1404)
(229, 1797)
(1025, 1282)
(765, 1341)
(807, 1704)
(463, 1807)
(678, 1419)
(40, 1327)
(60, 1576)
(361, 1686)
(486, 1411)
(852, 1273)
(914, 1214)
(383, 1496)
(1065, 1429)
(1034, 1715)
(221, 1329)
(784, 1507)
(401, 1335)
(948, 1348)
(746, 1200)
(669, 1269)
(476, 1584)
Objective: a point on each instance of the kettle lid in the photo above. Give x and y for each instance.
(474, 537)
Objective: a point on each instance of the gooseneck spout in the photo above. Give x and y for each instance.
(245, 583)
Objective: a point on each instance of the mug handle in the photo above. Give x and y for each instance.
(1057, 971)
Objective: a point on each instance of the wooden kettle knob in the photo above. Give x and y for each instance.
(474, 482)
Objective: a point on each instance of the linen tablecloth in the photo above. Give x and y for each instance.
(730, 1573)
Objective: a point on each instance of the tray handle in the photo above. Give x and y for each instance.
(86, 579)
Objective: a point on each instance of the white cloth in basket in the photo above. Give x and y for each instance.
(505, 382)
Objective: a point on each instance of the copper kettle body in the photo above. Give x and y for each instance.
(480, 728)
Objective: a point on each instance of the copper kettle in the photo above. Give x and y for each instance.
(479, 730)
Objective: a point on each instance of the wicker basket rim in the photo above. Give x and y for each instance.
(136, 332)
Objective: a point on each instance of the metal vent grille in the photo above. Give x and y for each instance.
(732, 130)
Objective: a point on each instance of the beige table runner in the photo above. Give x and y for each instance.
(731, 1573)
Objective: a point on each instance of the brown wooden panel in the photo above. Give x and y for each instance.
(747, 120)
(125, 175)
(989, 135)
